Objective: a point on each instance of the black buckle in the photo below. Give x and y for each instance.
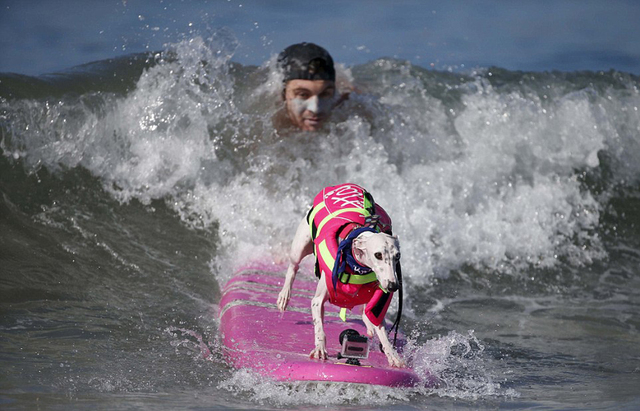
(372, 221)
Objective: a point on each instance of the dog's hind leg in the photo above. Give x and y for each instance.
(301, 246)
(317, 312)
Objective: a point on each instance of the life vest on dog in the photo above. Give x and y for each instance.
(338, 211)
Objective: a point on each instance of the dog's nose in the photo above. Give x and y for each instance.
(393, 286)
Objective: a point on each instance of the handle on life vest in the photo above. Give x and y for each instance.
(369, 203)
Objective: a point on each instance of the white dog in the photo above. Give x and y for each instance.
(377, 251)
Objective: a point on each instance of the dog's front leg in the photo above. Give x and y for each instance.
(301, 246)
(392, 356)
(317, 313)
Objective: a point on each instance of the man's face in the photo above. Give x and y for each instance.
(309, 102)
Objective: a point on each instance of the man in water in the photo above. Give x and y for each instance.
(309, 92)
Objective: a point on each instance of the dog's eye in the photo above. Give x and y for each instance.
(378, 256)
(398, 257)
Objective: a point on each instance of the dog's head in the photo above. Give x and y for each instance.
(380, 252)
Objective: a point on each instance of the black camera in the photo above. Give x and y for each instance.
(354, 346)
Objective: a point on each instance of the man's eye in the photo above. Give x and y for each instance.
(303, 95)
(378, 256)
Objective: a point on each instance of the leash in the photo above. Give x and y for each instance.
(396, 323)
(371, 222)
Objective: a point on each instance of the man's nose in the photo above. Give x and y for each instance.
(312, 104)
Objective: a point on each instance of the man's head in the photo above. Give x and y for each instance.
(309, 84)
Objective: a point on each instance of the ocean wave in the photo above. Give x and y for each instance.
(497, 170)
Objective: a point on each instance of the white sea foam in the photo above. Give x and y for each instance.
(456, 360)
(259, 389)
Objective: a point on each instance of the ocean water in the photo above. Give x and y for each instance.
(133, 185)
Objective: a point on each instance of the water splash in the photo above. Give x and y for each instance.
(246, 384)
(457, 360)
(460, 364)
(484, 170)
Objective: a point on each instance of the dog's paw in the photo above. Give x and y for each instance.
(283, 299)
(396, 361)
(319, 353)
(370, 329)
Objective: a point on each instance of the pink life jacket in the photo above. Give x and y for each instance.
(335, 213)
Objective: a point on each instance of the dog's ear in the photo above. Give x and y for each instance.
(359, 249)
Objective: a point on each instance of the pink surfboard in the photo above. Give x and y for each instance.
(257, 336)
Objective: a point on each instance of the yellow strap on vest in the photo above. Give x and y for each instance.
(343, 314)
(326, 254)
(359, 279)
(312, 216)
